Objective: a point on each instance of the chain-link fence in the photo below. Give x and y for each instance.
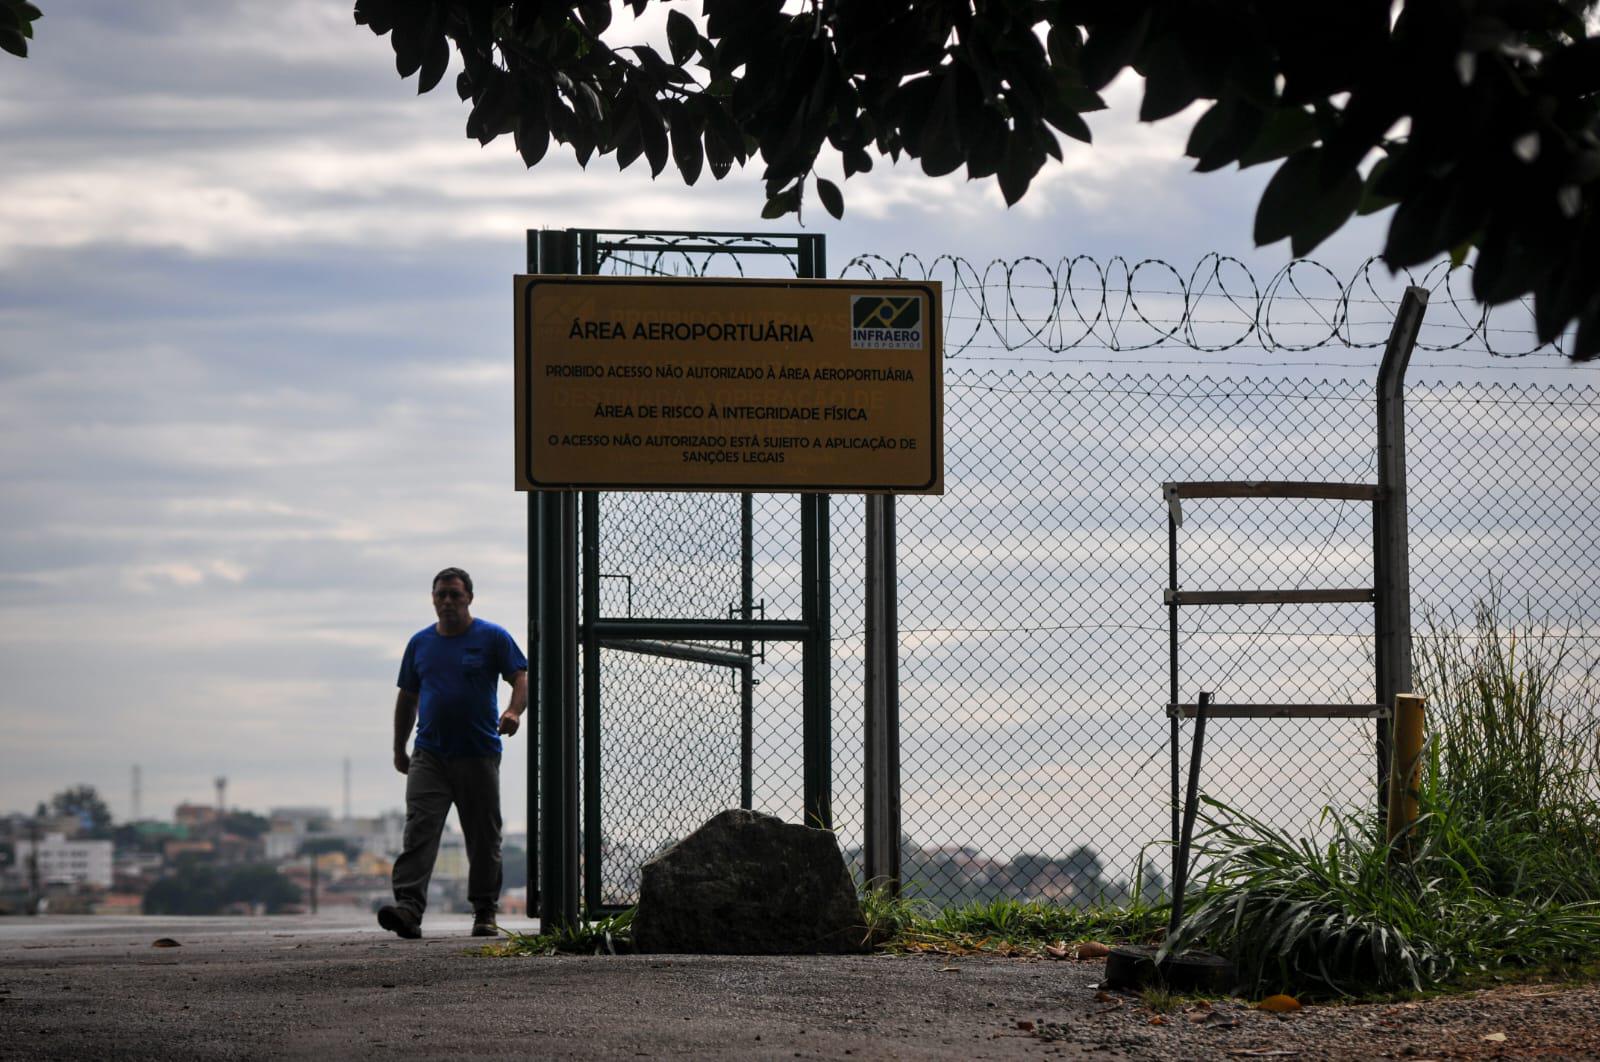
(1034, 640)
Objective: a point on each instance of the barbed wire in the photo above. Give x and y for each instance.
(1028, 303)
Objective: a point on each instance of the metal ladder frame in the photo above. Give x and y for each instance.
(1390, 593)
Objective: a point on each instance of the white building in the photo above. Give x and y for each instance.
(64, 862)
(379, 836)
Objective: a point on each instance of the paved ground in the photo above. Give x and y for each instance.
(305, 987)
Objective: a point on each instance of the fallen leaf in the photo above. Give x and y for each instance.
(1093, 949)
(1496, 1038)
(1279, 1004)
(1158, 1020)
(1103, 996)
(165, 942)
(1057, 951)
(1025, 1026)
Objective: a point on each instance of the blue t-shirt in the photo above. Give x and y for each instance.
(456, 681)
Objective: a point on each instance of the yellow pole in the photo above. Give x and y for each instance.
(1405, 767)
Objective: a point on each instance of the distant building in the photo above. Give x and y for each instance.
(174, 849)
(64, 861)
(137, 868)
(292, 827)
(196, 816)
(305, 819)
(452, 862)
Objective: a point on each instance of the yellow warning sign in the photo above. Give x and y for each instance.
(643, 383)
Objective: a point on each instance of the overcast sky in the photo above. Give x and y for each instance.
(255, 350)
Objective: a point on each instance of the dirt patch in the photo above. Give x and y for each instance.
(359, 994)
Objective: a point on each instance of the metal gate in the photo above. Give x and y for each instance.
(647, 623)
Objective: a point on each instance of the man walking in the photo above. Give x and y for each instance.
(448, 681)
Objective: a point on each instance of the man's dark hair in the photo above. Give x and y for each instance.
(453, 573)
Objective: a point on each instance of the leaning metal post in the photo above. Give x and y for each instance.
(1391, 558)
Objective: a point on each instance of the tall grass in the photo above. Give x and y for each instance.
(1505, 862)
(1513, 764)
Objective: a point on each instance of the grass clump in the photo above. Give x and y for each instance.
(886, 913)
(1505, 867)
(612, 935)
(1027, 928)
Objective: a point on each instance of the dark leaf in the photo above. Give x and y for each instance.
(1327, 213)
(1372, 200)
(912, 106)
(1223, 132)
(489, 113)
(856, 160)
(13, 42)
(1070, 123)
(596, 15)
(832, 199)
(434, 63)
(682, 37)
(988, 146)
(532, 136)
(1113, 42)
(1413, 231)
(588, 101)
(940, 142)
(629, 146)
(653, 131)
(1017, 167)
(686, 147)
(787, 202)
(1285, 197)
(1064, 43)
(1551, 311)
(1169, 85)
(723, 139)
(718, 155)
(1285, 131)
(378, 14)
(1503, 267)
(1587, 341)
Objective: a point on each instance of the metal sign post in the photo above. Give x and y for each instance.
(657, 383)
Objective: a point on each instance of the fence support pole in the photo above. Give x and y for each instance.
(816, 725)
(817, 609)
(1390, 553)
(747, 672)
(881, 771)
(1405, 771)
(554, 586)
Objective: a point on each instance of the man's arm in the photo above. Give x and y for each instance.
(405, 717)
(511, 718)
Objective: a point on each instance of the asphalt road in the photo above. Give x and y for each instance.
(305, 987)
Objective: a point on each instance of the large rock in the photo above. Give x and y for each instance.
(749, 884)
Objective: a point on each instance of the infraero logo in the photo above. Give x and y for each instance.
(886, 322)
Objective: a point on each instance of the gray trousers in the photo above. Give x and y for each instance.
(433, 783)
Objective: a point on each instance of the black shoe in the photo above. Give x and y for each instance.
(483, 925)
(399, 921)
